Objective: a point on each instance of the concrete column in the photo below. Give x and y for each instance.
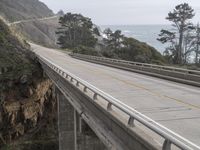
(66, 124)
(79, 123)
(74, 133)
(75, 130)
(87, 140)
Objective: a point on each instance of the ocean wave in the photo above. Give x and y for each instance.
(127, 31)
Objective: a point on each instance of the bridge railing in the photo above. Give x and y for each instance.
(187, 76)
(170, 138)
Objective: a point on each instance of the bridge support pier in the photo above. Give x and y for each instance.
(66, 124)
(74, 133)
(109, 126)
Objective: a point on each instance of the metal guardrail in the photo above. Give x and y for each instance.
(171, 73)
(141, 64)
(169, 136)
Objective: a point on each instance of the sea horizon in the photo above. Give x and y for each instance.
(134, 24)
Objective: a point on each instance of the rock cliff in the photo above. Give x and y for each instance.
(27, 103)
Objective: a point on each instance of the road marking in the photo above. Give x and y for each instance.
(90, 70)
(139, 86)
(177, 119)
(198, 107)
(98, 71)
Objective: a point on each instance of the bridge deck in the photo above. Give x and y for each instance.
(174, 105)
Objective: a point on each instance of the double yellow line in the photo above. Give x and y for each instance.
(138, 86)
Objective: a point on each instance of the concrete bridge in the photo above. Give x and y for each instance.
(125, 106)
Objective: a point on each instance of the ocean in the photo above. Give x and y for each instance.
(143, 33)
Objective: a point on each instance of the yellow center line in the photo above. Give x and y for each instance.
(158, 94)
(138, 86)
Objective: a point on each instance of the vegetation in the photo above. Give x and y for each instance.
(13, 63)
(76, 31)
(80, 34)
(127, 48)
(21, 94)
(14, 10)
(40, 32)
(184, 38)
(196, 46)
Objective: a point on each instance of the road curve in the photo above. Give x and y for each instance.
(174, 105)
(31, 20)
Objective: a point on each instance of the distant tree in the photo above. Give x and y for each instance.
(171, 52)
(127, 48)
(96, 31)
(197, 44)
(180, 17)
(116, 39)
(113, 39)
(189, 44)
(133, 50)
(192, 43)
(107, 32)
(76, 30)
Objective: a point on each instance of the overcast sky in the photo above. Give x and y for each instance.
(121, 12)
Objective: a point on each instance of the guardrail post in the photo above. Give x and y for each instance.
(95, 96)
(171, 138)
(85, 89)
(63, 74)
(109, 107)
(131, 122)
(167, 145)
(77, 84)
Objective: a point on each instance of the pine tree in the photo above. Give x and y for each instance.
(180, 17)
(76, 30)
(197, 50)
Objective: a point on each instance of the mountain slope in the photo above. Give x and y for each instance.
(41, 32)
(14, 10)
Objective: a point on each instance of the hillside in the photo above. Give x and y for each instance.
(27, 105)
(41, 32)
(14, 10)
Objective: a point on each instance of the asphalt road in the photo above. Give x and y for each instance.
(31, 20)
(174, 105)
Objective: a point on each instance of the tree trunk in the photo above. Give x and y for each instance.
(197, 54)
(180, 49)
(197, 50)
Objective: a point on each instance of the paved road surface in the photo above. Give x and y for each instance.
(174, 105)
(30, 20)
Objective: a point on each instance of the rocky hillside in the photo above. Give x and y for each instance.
(40, 32)
(36, 31)
(27, 103)
(15, 10)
